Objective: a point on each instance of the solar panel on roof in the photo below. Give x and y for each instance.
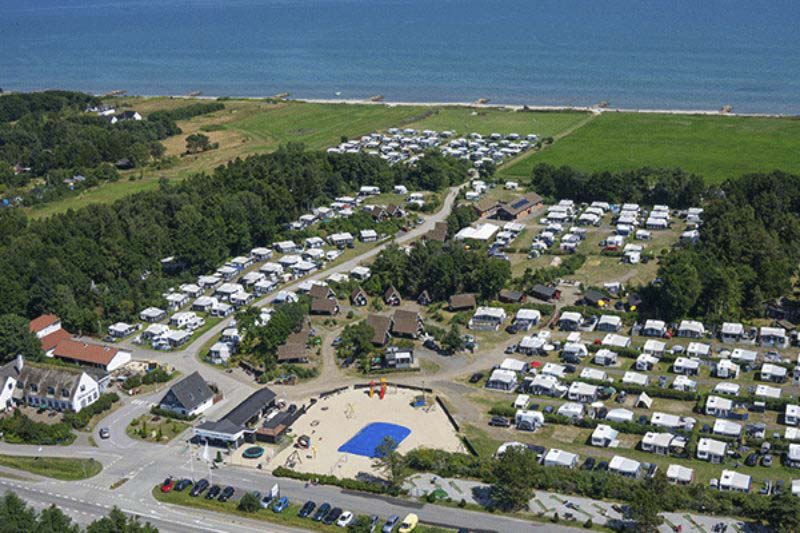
(519, 203)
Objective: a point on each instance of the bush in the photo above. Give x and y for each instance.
(249, 503)
(349, 484)
(166, 413)
(20, 429)
(81, 420)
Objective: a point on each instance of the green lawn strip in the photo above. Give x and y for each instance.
(455, 486)
(693, 522)
(287, 518)
(170, 428)
(63, 468)
(715, 147)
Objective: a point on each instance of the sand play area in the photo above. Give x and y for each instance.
(344, 429)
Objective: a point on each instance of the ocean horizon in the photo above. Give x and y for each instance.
(642, 54)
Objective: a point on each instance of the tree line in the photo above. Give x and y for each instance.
(101, 263)
(17, 516)
(673, 187)
(748, 253)
(440, 269)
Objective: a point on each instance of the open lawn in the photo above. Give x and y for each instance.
(63, 468)
(716, 147)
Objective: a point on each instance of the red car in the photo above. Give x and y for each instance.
(167, 485)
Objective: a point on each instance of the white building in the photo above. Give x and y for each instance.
(556, 457)
(604, 436)
(733, 481)
(711, 450)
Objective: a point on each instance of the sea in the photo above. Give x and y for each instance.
(645, 54)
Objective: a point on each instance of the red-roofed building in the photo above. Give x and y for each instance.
(51, 341)
(106, 357)
(44, 325)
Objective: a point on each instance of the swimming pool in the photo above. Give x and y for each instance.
(371, 436)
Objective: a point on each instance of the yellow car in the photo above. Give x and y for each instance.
(409, 523)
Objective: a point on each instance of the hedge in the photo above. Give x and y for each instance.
(20, 429)
(349, 484)
(81, 419)
(166, 413)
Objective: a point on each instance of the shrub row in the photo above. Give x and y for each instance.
(349, 484)
(81, 419)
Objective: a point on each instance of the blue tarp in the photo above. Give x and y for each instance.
(371, 436)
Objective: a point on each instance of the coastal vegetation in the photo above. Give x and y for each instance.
(715, 147)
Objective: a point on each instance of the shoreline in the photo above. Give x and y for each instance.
(513, 107)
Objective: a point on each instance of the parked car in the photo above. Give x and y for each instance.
(321, 512)
(281, 504)
(373, 522)
(547, 409)
(499, 421)
(388, 526)
(766, 460)
(332, 516)
(751, 460)
(778, 488)
(306, 509)
(476, 377)
(345, 519)
(226, 494)
(409, 523)
(182, 484)
(199, 488)
(168, 485)
(213, 492)
(105, 433)
(589, 463)
(602, 466)
(266, 501)
(767, 488)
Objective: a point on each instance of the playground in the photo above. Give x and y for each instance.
(339, 433)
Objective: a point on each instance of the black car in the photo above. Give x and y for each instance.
(430, 344)
(213, 492)
(182, 484)
(332, 516)
(476, 377)
(778, 488)
(752, 459)
(588, 464)
(226, 493)
(321, 512)
(199, 488)
(569, 369)
(602, 466)
(643, 419)
(306, 509)
(499, 421)
(547, 409)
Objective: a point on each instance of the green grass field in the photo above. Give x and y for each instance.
(715, 147)
(63, 468)
(486, 121)
(321, 126)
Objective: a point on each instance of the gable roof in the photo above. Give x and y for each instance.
(462, 301)
(39, 323)
(520, 204)
(391, 292)
(250, 407)
(191, 392)
(356, 293)
(44, 376)
(84, 352)
(380, 326)
(321, 291)
(485, 204)
(51, 341)
(292, 352)
(405, 322)
(324, 306)
(438, 233)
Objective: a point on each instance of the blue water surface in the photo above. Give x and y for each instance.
(678, 54)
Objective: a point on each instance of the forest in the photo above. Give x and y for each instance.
(748, 253)
(52, 135)
(749, 245)
(442, 270)
(101, 263)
